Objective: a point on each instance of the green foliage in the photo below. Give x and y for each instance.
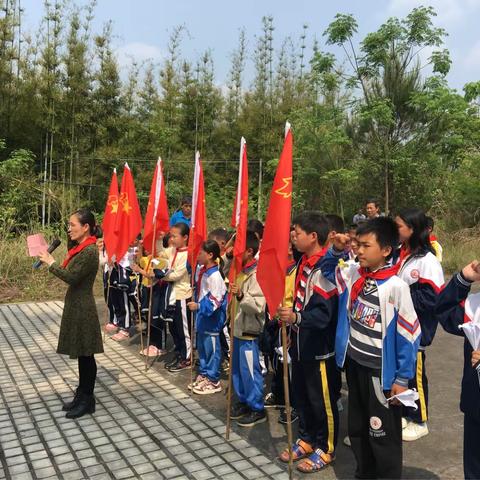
(366, 121)
(18, 190)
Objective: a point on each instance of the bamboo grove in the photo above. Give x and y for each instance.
(371, 117)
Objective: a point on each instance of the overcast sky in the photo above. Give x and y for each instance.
(142, 27)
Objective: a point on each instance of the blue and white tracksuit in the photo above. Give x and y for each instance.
(424, 275)
(211, 295)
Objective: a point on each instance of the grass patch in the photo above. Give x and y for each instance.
(19, 282)
(459, 248)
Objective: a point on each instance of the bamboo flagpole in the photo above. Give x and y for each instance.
(239, 221)
(156, 220)
(286, 390)
(198, 235)
(273, 261)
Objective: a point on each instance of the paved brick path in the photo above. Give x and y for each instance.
(145, 427)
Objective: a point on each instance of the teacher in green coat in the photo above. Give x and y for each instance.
(80, 335)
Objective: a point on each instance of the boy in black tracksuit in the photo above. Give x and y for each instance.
(313, 321)
(456, 306)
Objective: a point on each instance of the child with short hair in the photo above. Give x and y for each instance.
(456, 306)
(249, 313)
(211, 307)
(377, 340)
(313, 321)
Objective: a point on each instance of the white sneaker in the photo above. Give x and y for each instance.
(405, 423)
(413, 431)
(347, 442)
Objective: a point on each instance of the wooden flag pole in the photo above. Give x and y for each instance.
(139, 310)
(192, 326)
(150, 300)
(230, 360)
(107, 312)
(286, 390)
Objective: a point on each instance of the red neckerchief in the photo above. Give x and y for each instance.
(404, 254)
(183, 249)
(249, 266)
(309, 262)
(200, 276)
(433, 238)
(73, 251)
(381, 274)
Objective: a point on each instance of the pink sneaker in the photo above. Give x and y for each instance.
(121, 336)
(207, 388)
(111, 328)
(197, 382)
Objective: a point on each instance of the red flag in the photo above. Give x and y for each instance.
(272, 264)
(198, 228)
(156, 218)
(240, 212)
(129, 218)
(110, 216)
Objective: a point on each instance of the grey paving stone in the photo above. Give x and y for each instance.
(144, 468)
(46, 472)
(95, 470)
(172, 472)
(15, 470)
(43, 463)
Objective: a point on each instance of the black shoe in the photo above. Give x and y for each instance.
(172, 362)
(67, 406)
(86, 404)
(179, 366)
(252, 418)
(282, 418)
(271, 402)
(239, 410)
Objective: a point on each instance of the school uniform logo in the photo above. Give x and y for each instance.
(375, 423)
(376, 429)
(415, 273)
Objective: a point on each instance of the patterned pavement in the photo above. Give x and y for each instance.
(144, 427)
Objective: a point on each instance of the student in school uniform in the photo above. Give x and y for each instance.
(273, 338)
(421, 270)
(152, 287)
(377, 340)
(177, 274)
(313, 321)
(249, 314)
(211, 307)
(456, 306)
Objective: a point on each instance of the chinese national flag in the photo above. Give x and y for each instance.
(156, 218)
(110, 216)
(240, 213)
(198, 229)
(272, 264)
(129, 218)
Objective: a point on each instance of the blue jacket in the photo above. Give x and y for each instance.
(400, 327)
(424, 275)
(211, 295)
(313, 334)
(454, 307)
(179, 217)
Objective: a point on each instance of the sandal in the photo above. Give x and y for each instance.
(300, 449)
(151, 351)
(317, 461)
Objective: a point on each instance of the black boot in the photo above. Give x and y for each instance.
(67, 406)
(86, 404)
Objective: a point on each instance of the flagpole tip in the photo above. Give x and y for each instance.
(115, 170)
(126, 165)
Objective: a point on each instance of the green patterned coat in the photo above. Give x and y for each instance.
(80, 333)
